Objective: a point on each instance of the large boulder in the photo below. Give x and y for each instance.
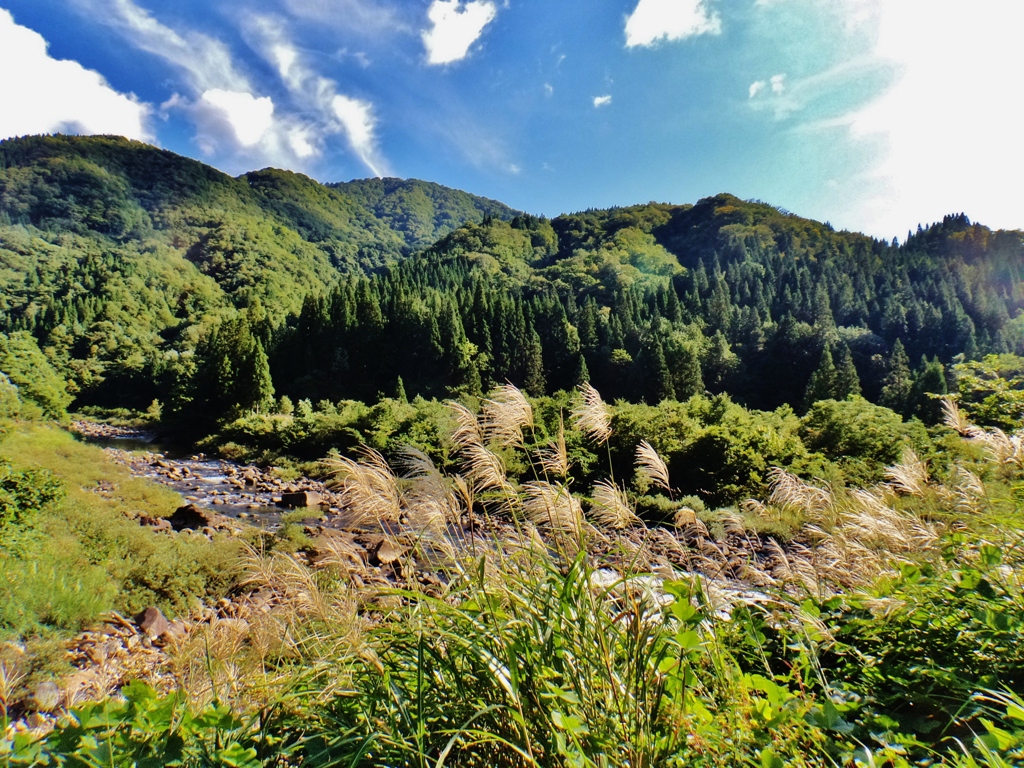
(301, 499)
(152, 622)
(191, 517)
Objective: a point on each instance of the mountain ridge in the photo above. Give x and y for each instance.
(120, 259)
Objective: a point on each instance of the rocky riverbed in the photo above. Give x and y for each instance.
(246, 493)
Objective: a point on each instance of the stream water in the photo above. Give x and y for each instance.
(247, 493)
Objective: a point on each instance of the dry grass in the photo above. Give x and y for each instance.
(910, 476)
(591, 415)
(652, 467)
(610, 507)
(554, 459)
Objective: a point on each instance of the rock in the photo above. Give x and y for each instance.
(156, 523)
(46, 697)
(685, 516)
(152, 622)
(300, 499)
(191, 517)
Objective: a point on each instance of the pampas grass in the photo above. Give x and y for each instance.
(505, 415)
(610, 507)
(651, 466)
(910, 476)
(591, 415)
(554, 459)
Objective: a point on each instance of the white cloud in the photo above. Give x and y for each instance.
(250, 118)
(335, 112)
(756, 87)
(455, 26)
(951, 123)
(360, 126)
(207, 61)
(549, 89)
(365, 17)
(655, 20)
(41, 94)
(602, 101)
(778, 83)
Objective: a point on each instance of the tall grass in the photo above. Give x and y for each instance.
(532, 625)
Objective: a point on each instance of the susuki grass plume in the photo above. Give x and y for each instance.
(788, 490)
(369, 488)
(610, 508)
(651, 466)
(554, 458)
(484, 468)
(505, 415)
(553, 507)
(910, 476)
(591, 415)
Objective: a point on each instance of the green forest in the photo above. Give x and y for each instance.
(658, 485)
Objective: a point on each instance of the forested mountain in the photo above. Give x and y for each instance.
(116, 254)
(146, 275)
(656, 301)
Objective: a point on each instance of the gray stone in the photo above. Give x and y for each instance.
(46, 697)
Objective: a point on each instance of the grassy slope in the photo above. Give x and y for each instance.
(86, 554)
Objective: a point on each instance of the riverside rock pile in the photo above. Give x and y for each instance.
(244, 491)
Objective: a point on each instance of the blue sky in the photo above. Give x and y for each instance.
(872, 114)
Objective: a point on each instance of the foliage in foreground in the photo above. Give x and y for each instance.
(557, 631)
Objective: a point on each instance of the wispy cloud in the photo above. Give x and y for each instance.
(362, 17)
(41, 94)
(206, 60)
(654, 21)
(228, 114)
(318, 95)
(233, 116)
(454, 27)
(784, 98)
(602, 101)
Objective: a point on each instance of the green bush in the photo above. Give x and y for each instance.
(28, 369)
(23, 493)
(861, 437)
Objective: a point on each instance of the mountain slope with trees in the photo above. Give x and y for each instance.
(145, 275)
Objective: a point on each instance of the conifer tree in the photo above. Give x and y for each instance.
(822, 385)
(582, 372)
(257, 386)
(897, 385)
(929, 383)
(847, 378)
(655, 377)
(533, 369)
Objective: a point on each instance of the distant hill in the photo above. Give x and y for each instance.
(110, 249)
(121, 259)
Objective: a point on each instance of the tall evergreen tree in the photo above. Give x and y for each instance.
(822, 385)
(533, 370)
(654, 373)
(256, 388)
(898, 382)
(847, 378)
(929, 385)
